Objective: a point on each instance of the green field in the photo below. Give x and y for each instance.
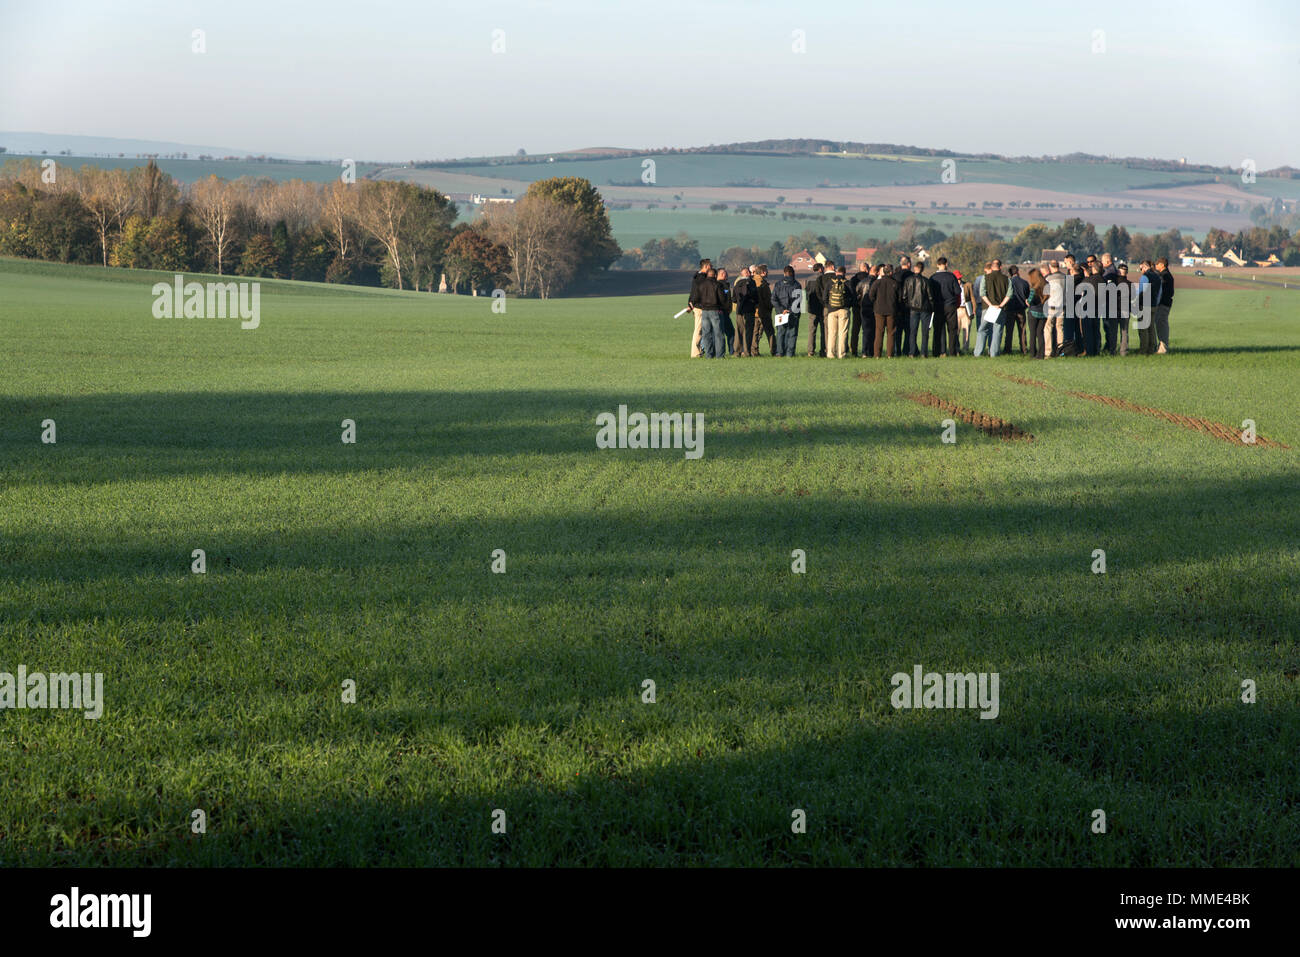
(716, 231)
(799, 171)
(522, 691)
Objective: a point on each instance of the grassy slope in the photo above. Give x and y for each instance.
(521, 691)
(795, 172)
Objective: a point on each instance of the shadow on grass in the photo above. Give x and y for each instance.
(122, 437)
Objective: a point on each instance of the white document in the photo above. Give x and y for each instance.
(991, 314)
(782, 318)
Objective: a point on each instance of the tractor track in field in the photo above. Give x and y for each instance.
(989, 424)
(1197, 424)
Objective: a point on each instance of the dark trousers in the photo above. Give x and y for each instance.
(1037, 342)
(855, 330)
(918, 332)
(945, 331)
(1014, 321)
(728, 332)
(745, 327)
(899, 328)
(1112, 335)
(787, 336)
(868, 331)
(815, 324)
(1092, 335)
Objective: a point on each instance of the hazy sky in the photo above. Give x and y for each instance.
(1212, 81)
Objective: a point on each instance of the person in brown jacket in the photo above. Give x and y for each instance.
(766, 328)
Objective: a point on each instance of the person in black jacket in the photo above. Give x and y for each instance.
(787, 299)
(812, 304)
(884, 303)
(901, 311)
(1091, 308)
(1160, 314)
(745, 297)
(867, 312)
(946, 300)
(1015, 311)
(920, 307)
(728, 328)
(693, 302)
(712, 301)
(855, 318)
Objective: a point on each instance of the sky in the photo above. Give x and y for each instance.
(1212, 82)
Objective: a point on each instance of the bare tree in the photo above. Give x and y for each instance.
(215, 204)
(541, 237)
(340, 216)
(381, 209)
(108, 195)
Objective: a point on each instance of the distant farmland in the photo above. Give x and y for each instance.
(1103, 193)
(716, 231)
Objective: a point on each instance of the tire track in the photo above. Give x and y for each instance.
(986, 423)
(1197, 424)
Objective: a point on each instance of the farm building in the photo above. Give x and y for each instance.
(802, 261)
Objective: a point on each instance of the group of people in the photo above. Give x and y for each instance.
(1060, 308)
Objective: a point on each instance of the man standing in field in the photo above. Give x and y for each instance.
(812, 302)
(868, 313)
(728, 329)
(901, 310)
(920, 305)
(1160, 314)
(1127, 292)
(1016, 308)
(947, 299)
(838, 298)
(1148, 299)
(884, 302)
(1054, 330)
(746, 302)
(997, 293)
(764, 293)
(786, 296)
(694, 303)
(712, 302)
(855, 308)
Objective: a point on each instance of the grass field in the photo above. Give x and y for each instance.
(522, 691)
(716, 231)
(794, 172)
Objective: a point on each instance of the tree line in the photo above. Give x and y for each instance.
(368, 232)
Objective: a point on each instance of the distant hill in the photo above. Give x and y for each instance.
(819, 147)
(55, 143)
